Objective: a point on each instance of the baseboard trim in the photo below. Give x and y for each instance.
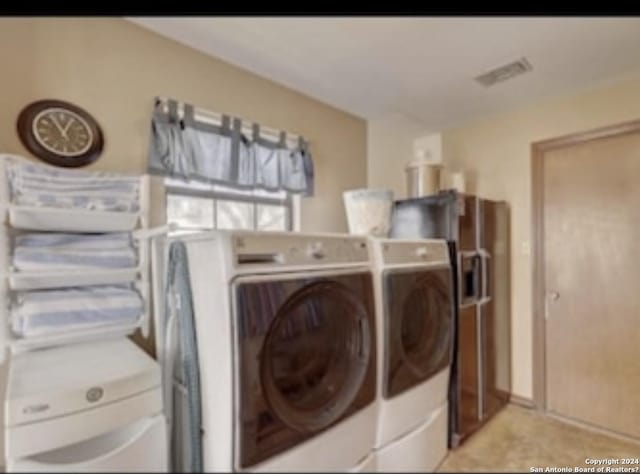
(521, 401)
(594, 429)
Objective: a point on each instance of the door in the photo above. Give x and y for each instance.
(496, 377)
(495, 308)
(468, 406)
(591, 215)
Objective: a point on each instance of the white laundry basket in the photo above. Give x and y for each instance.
(369, 211)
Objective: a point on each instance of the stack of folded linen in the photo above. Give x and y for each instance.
(89, 306)
(38, 313)
(44, 186)
(63, 251)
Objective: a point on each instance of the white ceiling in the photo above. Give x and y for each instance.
(421, 67)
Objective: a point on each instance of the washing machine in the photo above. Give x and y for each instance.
(85, 407)
(414, 306)
(286, 348)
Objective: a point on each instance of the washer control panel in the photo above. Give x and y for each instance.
(298, 249)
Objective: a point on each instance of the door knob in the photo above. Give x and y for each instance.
(551, 296)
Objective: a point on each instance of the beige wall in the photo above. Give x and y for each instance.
(114, 68)
(390, 148)
(496, 153)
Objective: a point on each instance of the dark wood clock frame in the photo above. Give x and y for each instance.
(25, 132)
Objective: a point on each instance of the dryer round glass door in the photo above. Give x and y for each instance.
(424, 332)
(419, 314)
(315, 356)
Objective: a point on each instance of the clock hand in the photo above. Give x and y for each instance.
(67, 125)
(57, 124)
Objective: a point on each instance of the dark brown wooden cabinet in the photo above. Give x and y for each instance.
(496, 311)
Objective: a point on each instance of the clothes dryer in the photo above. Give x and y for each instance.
(414, 307)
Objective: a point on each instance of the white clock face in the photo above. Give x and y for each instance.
(62, 132)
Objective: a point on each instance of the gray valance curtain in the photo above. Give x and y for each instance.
(184, 148)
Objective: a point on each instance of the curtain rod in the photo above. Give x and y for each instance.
(199, 112)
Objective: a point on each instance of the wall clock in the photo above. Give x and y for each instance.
(60, 133)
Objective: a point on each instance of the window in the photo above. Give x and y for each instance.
(196, 207)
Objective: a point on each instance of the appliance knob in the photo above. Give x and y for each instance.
(94, 394)
(422, 252)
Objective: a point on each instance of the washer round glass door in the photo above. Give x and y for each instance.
(315, 356)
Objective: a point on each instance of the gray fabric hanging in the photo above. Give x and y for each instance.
(190, 150)
(267, 156)
(167, 153)
(245, 176)
(298, 169)
(209, 149)
(186, 436)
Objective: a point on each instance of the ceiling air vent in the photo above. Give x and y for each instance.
(505, 72)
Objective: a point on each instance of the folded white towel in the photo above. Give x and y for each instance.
(61, 251)
(36, 313)
(36, 185)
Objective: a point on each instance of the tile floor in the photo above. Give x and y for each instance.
(518, 439)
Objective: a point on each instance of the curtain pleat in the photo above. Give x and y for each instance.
(189, 150)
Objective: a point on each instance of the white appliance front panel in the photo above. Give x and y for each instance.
(422, 450)
(59, 381)
(339, 449)
(402, 413)
(138, 447)
(46, 435)
(368, 464)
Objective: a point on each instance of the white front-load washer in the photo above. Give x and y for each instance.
(414, 305)
(286, 349)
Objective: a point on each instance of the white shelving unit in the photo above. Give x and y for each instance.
(17, 219)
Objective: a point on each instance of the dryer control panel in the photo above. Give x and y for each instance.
(279, 249)
(398, 251)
